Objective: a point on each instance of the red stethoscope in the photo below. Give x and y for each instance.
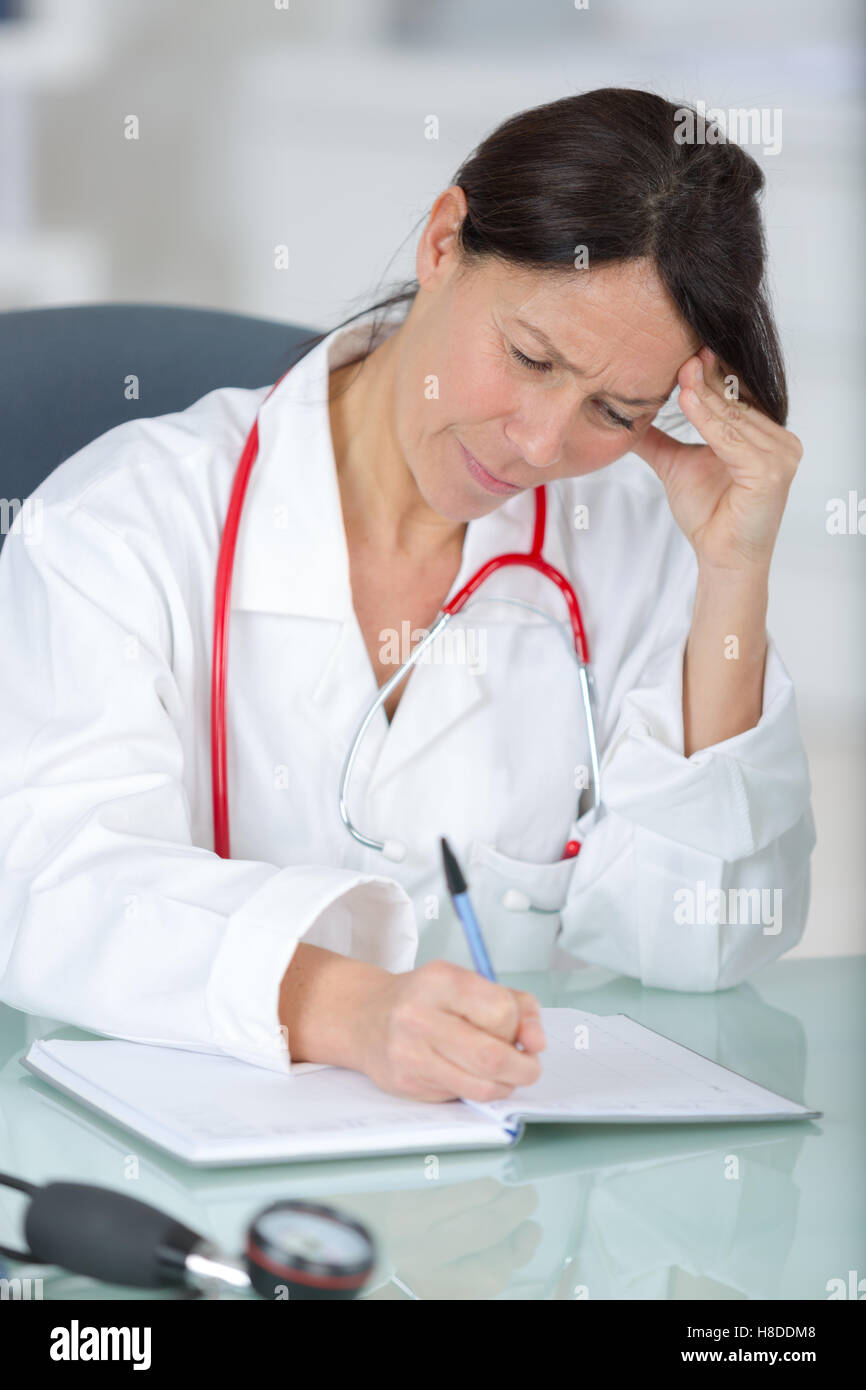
(391, 849)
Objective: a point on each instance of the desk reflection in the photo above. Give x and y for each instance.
(572, 1213)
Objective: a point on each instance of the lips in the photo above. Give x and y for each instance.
(485, 479)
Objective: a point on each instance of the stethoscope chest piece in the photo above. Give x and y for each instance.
(303, 1250)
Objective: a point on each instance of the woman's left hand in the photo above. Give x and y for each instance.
(727, 495)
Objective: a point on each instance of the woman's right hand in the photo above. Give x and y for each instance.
(442, 1032)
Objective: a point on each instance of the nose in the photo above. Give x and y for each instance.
(539, 431)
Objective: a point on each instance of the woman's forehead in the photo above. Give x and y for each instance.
(619, 320)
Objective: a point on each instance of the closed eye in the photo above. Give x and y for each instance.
(529, 361)
(621, 421)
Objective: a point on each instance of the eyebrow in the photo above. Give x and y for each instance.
(557, 356)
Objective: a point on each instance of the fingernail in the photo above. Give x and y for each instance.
(700, 371)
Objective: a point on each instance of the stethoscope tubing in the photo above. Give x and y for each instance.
(222, 609)
(391, 849)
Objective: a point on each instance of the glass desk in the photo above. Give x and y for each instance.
(731, 1211)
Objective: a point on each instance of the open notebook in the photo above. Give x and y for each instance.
(211, 1110)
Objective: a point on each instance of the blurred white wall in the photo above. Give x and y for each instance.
(306, 126)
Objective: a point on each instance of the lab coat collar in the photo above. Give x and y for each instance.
(292, 553)
(292, 558)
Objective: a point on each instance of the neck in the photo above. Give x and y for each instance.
(382, 504)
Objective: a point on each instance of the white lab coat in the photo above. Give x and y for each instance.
(116, 914)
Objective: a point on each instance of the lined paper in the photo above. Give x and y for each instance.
(620, 1070)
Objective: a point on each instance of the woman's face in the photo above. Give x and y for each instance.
(465, 396)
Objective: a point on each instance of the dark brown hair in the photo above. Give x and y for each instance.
(607, 170)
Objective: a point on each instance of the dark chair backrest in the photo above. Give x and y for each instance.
(63, 373)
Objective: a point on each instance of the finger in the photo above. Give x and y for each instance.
(488, 1006)
(444, 1079)
(480, 1054)
(435, 1078)
(783, 442)
(531, 1035)
(728, 385)
(709, 384)
(530, 1030)
(729, 432)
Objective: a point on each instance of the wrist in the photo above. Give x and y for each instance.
(728, 631)
(732, 602)
(321, 1004)
(734, 579)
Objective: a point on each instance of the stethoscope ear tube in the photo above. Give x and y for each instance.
(587, 691)
(392, 849)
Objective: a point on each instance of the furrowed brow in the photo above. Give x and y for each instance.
(556, 356)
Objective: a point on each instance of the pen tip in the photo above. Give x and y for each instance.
(453, 875)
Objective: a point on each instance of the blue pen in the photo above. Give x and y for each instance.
(465, 911)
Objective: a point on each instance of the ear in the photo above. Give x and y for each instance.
(437, 242)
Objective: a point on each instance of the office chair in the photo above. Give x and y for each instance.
(64, 372)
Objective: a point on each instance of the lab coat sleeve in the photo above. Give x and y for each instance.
(111, 918)
(697, 871)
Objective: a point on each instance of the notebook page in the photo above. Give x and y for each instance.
(210, 1109)
(628, 1072)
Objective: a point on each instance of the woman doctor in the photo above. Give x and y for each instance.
(583, 265)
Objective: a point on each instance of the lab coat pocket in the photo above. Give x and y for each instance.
(518, 903)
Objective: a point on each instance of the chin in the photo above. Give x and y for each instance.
(446, 498)
(455, 505)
